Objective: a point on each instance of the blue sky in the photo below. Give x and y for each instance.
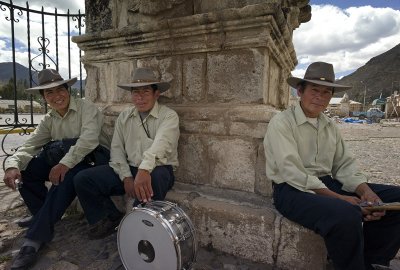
(347, 33)
(395, 4)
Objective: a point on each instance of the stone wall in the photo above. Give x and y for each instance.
(227, 62)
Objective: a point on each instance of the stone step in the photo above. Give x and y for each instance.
(247, 226)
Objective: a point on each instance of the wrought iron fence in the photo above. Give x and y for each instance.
(52, 33)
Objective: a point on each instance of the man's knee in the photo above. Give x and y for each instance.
(81, 180)
(160, 173)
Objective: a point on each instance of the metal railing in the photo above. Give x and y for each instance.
(52, 31)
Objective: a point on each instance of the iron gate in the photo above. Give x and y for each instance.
(41, 40)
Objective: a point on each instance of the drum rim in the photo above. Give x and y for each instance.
(168, 228)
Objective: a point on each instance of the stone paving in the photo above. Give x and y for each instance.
(377, 148)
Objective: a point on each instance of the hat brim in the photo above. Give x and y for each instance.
(294, 82)
(161, 86)
(36, 89)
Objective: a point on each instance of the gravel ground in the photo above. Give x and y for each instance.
(376, 146)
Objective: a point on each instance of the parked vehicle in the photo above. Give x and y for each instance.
(374, 114)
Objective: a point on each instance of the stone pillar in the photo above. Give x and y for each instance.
(227, 62)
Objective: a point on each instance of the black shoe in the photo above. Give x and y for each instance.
(25, 221)
(26, 257)
(103, 228)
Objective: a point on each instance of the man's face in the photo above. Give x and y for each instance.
(144, 98)
(314, 99)
(58, 98)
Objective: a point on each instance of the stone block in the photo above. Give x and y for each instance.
(235, 76)
(247, 226)
(299, 248)
(239, 230)
(232, 163)
(262, 184)
(193, 160)
(194, 77)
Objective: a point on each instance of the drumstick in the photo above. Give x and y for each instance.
(381, 206)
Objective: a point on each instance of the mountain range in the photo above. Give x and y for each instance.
(22, 73)
(379, 77)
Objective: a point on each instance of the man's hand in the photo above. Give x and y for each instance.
(10, 177)
(351, 199)
(143, 189)
(370, 197)
(129, 186)
(57, 173)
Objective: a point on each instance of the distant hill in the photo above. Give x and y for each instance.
(6, 72)
(381, 74)
(22, 72)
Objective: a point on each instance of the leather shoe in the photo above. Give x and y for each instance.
(25, 221)
(26, 257)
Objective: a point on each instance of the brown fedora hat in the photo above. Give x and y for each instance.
(319, 73)
(144, 77)
(49, 78)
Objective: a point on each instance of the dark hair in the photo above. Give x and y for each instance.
(301, 86)
(154, 87)
(65, 85)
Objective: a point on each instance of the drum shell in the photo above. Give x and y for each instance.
(175, 223)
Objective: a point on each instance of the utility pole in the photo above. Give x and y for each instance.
(365, 92)
(393, 83)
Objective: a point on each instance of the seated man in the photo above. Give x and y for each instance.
(77, 120)
(316, 181)
(143, 155)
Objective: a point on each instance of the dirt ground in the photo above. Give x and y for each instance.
(376, 146)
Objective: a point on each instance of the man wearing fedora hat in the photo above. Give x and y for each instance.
(143, 156)
(317, 183)
(45, 157)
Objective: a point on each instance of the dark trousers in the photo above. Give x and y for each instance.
(351, 243)
(95, 186)
(47, 206)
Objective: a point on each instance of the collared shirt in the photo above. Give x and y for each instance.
(298, 153)
(130, 145)
(83, 119)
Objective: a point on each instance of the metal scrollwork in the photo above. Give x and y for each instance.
(19, 13)
(80, 20)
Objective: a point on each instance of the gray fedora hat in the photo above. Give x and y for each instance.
(319, 73)
(49, 78)
(144, 77)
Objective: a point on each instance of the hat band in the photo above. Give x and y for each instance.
(144, 81)
(319, 79)
(50, 81)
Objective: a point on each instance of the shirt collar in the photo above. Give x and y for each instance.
(154, 111)
(301, 117)
(72, 106)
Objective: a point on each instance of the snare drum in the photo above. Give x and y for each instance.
(158, 236)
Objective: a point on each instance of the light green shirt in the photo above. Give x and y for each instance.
(82, 120)
(131, 146)
(298, 153)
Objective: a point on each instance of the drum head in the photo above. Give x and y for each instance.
(145, 243)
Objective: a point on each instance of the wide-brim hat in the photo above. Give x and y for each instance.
(319, 73)
(49, 78)
(144, 77)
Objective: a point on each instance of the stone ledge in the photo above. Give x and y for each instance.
(247, 226)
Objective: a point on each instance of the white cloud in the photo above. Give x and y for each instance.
(50, 5)
(346, 38)
(21, 55)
